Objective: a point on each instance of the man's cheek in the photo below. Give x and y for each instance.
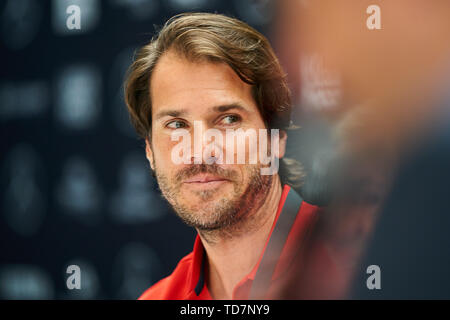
(162, 151)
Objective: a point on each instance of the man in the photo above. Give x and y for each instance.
(217, 73)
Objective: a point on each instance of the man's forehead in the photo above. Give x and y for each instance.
(177, 81)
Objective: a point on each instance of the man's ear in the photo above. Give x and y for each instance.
(149, 152)
(282, 144)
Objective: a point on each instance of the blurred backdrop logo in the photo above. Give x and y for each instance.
(20, 22)
(78, 192)
(78, 96)
(18, 281)
(129, 203)
(23, 190)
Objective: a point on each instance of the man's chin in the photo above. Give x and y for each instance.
(206, 191)
(208, 199)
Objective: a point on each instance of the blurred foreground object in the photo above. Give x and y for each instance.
(382, 95)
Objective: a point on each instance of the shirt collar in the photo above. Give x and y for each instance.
(197, 279)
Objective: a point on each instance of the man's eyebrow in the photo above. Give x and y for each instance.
(179, 113)
(227, 107)
(170, 113)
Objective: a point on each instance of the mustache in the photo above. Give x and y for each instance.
(196, 169)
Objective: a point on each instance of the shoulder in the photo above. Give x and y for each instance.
(172, 287)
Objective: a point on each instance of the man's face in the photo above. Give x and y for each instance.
(206, 196)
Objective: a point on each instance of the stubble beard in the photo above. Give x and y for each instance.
(224, 217)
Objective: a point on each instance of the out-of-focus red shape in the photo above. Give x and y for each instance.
(386, 82)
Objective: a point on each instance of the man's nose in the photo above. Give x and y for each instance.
(207, 144)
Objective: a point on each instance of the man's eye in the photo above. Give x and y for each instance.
(176, 124)
(230, 119)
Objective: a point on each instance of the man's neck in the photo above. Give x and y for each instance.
(229, 259)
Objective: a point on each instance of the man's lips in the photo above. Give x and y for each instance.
(204, 178)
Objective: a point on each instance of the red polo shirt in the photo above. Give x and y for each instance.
(187, 281)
